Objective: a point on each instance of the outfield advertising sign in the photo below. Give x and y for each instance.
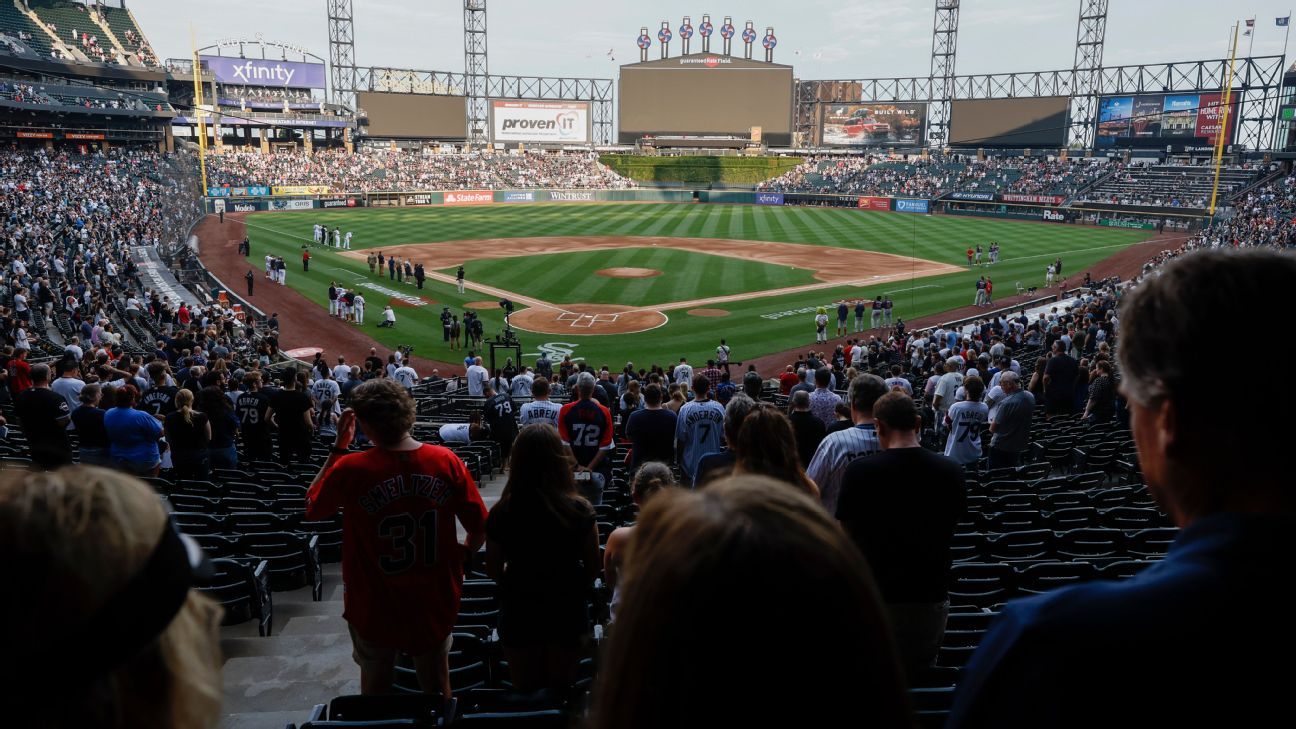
(300, 190)
(292, 204)
(517, 197)
(342, 202)
(422, 198)
(1131, 224)
(974, 196)
(244, 207)
(252, 191)
(558, 122)
(569, 196)
(769, 198)
(470, 197)
(912, 206)
(875, 203)
(1013, 197)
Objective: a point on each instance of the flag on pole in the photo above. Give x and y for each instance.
(1250, 24)
(1282, 22)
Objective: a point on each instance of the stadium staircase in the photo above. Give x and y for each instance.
(15, 18)
(120, 20)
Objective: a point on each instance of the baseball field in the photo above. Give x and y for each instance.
(652, 282)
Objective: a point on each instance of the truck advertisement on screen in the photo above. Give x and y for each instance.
(873, 124)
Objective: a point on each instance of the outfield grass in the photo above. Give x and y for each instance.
(1027, 249)
(570, 278)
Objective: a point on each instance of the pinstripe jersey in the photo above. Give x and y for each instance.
(834, 454)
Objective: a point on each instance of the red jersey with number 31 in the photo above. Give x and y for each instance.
(402, 563)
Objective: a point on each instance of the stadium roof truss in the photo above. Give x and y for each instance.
(597, 91)
(1256, 87)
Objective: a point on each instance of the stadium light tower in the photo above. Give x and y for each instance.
(342, 52)
(475, 71)
(1086, 74)
(944, 47)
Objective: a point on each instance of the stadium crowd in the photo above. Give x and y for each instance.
(402, 170)
(936, 175)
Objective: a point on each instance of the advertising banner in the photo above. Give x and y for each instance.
(265, 72)
(299, 190)
(470, 197)
(1013, 197)
(912, 206)
(292, 204)
(83, 135)
(218, 192)
(1054, 216)
(243, 206)
(1132, 224)
(875, 203)
(342, 202)
(34, 135)
(873, 124)
(569, 196)
(1153, 120)
(977, 196)
(423, 198)
(564, 122)
(769, 198)
(517, 197)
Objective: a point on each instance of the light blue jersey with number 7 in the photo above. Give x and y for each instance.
(700, 427)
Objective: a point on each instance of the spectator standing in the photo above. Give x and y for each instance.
(808, 429)
(585, 427)
(402, 593)
(252, 407)
(651, 431)
(947, 385)
(188, 434)
(540, 409)
(1101, 405)
(823, 401)
(497, 411)
(1011, 426)
(216, 405)
(901, 506)
(766, 447)
(44, 415)
(542, 549)
(651, 478)
(92, 438)
(837, 450)
(292, 413)
(133, 435)
(1060, 376)
(699, 429)
(965, 421)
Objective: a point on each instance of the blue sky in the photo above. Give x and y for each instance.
(835, 39)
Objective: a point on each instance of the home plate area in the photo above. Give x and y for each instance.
(587, 319)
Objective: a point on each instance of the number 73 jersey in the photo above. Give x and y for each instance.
(402, 563)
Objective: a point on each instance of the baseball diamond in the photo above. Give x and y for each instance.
(752, 262)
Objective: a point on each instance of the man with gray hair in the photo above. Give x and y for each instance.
(1190, 640)
(839, 448)
(585, 427)
(719, 464)
(946, 387)
(1010, 423)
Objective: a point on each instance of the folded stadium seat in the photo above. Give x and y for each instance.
(1100, 458)
(228, 475)
(1150, 543)
(1063, 500)
(1019, 545)
(1086, 481)
(1044, 576)
(181, 501)
(1124, 569)
(936, 677)
(470, 663)
(967, 547)
(1012, 521)
(243, 589)
(197, 487)
(1133, 518)
(1109, 498)
(998, 474)
(293, 560)
(218, 546)
(543, 719)
(239, 504)
(1033, 471)
(160, 485)
(1090, 543)
(247, 488)
(479, 611)
(199, 523)
(1023, 501)
(258, 522)
(329, 532)
(981, 584)
(932, 705)
(1051, 485)
(433, 710)
(1073, 518)
(1001, 486)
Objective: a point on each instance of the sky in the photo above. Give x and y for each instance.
(838, 39)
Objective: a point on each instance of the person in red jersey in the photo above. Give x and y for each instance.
(585, 427)
(402, 562)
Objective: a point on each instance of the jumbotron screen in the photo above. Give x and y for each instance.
(1019, 123)
(419, 116)
(706, 94)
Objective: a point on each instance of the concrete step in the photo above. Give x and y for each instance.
(287, 645)
(287, 696)
(264, 719)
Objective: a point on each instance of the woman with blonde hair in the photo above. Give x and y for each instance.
(188, 433)
(767, 447)
(109, 632)
(761, 561)
(677, 398)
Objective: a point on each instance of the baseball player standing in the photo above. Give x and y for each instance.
(459, 279)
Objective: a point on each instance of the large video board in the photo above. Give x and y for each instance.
(265, 72)
(1155, 120)
(873, 124)
(551, 122)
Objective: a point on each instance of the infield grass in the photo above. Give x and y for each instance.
(1027, 249)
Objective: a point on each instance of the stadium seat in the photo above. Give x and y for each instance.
(1019, 545)
(424, 708)
(1089, 543)
(1044, 576)
(243, 589)
(293, 559)
(981, 584)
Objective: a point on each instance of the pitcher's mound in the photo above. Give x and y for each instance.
(587, 319)
(709, 312)
(628, 272)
